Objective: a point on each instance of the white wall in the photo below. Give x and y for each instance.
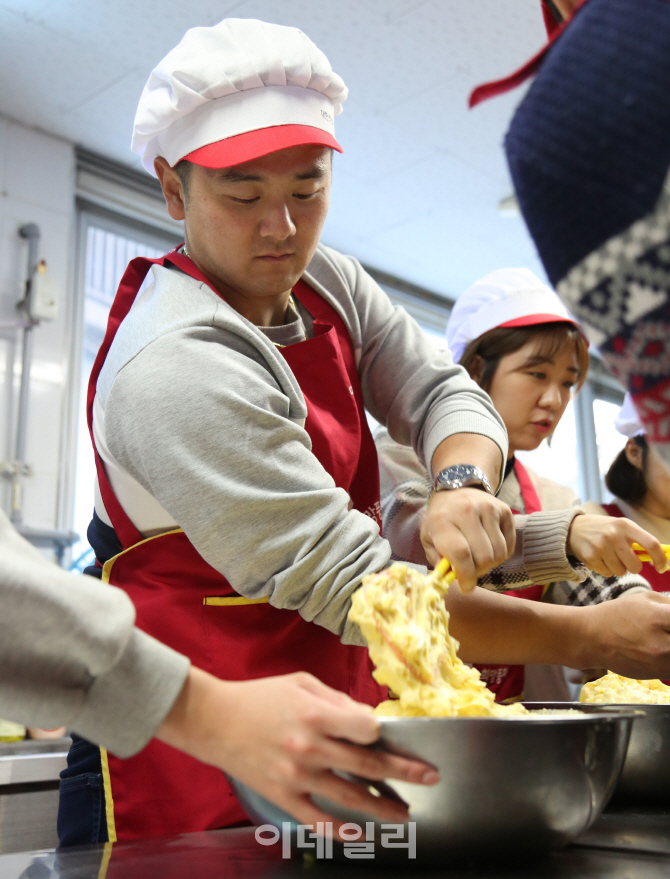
(37, 180)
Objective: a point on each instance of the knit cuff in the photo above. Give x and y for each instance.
(545, 539)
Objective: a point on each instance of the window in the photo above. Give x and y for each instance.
(107, 247)
(608, 439)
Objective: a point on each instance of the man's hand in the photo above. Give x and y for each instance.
(284, 736)
(470, 528)
(605, 545)
(629, 636)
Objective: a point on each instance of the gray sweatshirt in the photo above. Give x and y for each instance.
(200, 423)
(71, 656)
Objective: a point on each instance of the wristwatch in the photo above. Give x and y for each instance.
(461, 476)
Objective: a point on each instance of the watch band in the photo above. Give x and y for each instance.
(461, 476)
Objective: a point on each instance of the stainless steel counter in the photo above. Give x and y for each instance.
(632, 830)
(620, 846)
(29, 779)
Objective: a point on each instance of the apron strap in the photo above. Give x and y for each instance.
(324, 314)
(315, 304)
(530, 496)
(129, 287)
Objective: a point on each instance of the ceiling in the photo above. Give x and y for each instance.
(416, 192)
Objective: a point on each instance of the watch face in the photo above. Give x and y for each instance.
(460, 476)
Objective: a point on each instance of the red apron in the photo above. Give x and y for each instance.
(658, 582)
(507, 681)
(186, 604)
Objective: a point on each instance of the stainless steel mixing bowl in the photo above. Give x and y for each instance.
(506, 784)
(645, 777)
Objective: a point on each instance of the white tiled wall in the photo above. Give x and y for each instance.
(37, 178)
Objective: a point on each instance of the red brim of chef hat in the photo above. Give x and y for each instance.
(530, 68)
(533, 320)
(254, 144)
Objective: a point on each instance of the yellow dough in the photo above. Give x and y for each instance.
(612, 688)
(402, 616)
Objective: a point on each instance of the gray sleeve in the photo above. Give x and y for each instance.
(409, 385)
(71, 656)
(200, 422)
(541, 538)
(404, 488)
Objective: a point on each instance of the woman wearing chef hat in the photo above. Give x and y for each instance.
(237, 497)
(640, 482)
(517, 340)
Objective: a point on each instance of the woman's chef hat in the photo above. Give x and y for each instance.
(236, 91)
(503, 298)
(628, 421)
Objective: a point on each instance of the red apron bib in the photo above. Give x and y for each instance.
(658, 582)
(186, 604)
(507, 681)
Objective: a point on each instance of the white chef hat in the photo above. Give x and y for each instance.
(628, 421)
(236, 91)
(503, 298)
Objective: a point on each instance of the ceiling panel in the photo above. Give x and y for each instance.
(417, 189)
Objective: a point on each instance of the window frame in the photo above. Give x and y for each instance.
(90, 215)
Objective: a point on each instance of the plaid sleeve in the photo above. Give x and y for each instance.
(594, 589)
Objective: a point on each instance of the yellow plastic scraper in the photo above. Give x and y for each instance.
(642, 553)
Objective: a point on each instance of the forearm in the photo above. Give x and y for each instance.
(193, 724)
(502, 630)
(470, 448)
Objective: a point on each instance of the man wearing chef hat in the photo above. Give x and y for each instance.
(237, 499)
